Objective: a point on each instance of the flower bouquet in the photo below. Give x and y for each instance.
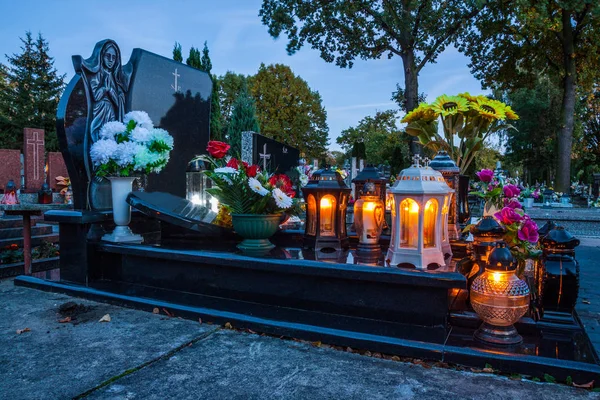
(123, 149)
(255, 198)
(471, 118)
(496, 193)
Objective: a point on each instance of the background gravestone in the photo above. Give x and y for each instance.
(56, 167)
(10, 167)
(34, 157)
(175, 96)
(277, 157)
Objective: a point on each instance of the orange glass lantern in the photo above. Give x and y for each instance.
(500, 298)
(369, 219)
(419, 217)
(370, 174)
(326, 197)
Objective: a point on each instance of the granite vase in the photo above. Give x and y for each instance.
(256, 229)
(121, 187)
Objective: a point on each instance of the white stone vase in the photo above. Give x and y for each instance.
(121, 187)
(528, 202)
(489, 209)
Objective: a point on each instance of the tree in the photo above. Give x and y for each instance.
(32, 89)
(509, 45)
(193, 59)
(243, 118)
(288, 110)
(205, 63)
(230, 87)
(177, 55)
(383, 141)
(416, 31)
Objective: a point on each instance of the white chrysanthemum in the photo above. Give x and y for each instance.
(125, 153)
(143, 157)
(111, 129)
(303, 180)
(102, 151)
(160, 135)
(256, 186)
(140, 135)
(141, 119)
(281, 199)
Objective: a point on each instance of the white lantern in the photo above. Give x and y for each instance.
(419, 217)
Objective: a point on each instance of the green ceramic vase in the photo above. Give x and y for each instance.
(256, 229)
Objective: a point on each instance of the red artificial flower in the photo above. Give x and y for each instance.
(252, 170)
(283, 182)
(511, 190)
(529, 232)
(512, 203)
(233, 163)
(217, 149)
(508, 216)
(485, 175)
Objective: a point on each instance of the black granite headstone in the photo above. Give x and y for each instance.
(269, 154)
(175, 96)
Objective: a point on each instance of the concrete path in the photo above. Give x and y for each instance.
(588, 305)
(139, 355)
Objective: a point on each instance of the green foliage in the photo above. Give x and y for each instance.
(549, 378)
(243, 118)
(383, 141)
(288, 110)
(177, 55)
(343, 31)
(569, 381)
(205, 63)
(193, 59)
(230, 86)
(399, 96)
(30, 91)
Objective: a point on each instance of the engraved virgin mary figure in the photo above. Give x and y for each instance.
(107, 85)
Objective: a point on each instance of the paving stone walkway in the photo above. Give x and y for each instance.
(139, 355)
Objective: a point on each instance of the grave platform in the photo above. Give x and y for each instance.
(293, 292)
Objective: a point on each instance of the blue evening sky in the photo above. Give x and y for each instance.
(237, 41)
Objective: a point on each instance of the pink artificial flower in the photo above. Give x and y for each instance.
(512, 203)
(485, 175)
(528, 232)
(508, 216)
(511, 191)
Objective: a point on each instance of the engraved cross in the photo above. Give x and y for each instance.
(176, 87)
(36, 142)
(264, 156)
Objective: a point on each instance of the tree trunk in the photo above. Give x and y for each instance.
(565, 135)
(411, 92)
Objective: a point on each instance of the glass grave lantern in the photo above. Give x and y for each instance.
(369, 219)
(370, 174)
(447, 167)
(326, 196)
(196, 184)
(419, 217)
(499, 298)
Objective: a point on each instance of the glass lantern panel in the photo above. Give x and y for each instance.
(409, 223)
(327, 215)
(445, 219)
(429, 223)
(311, 215)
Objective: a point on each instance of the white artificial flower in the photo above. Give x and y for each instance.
(125, 153)
(110, 129)
(143, 157)
(226, 170)
(160, 135)
(102, 151)
(303, 180)
(140, 135)
(256, 186)
(141, 118)
(281, 199)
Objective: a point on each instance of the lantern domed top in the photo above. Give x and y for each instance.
(369, 173)
(326, 179)
(420, 180)
(560, 238)
(443, 163)
(501, 259)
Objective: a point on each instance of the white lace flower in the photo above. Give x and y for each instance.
(110, 129)
(160, 135)
(281, 199)
(256, 186)
(102, 151)
(125, 153)
(141, 118)
(140, 135)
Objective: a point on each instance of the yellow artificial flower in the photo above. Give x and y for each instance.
(471, 98)
(449, 105)
(492, 109)
(422, 112)
(510, 114)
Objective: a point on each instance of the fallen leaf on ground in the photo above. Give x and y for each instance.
(19, 331)
(251, 331)
(395, 358)
(586, 302)
(349, 349)
(476, 370)
(64, 320)
(167, 312)
(155, 310)
(105, 318)
(488, 370)
(588, 385)
(317, 344)
(228, 325)
(200, 320)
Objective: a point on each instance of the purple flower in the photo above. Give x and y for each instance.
(512, 203)
(511, 191)
(528, 232)
(485, 175)
(508, 216)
